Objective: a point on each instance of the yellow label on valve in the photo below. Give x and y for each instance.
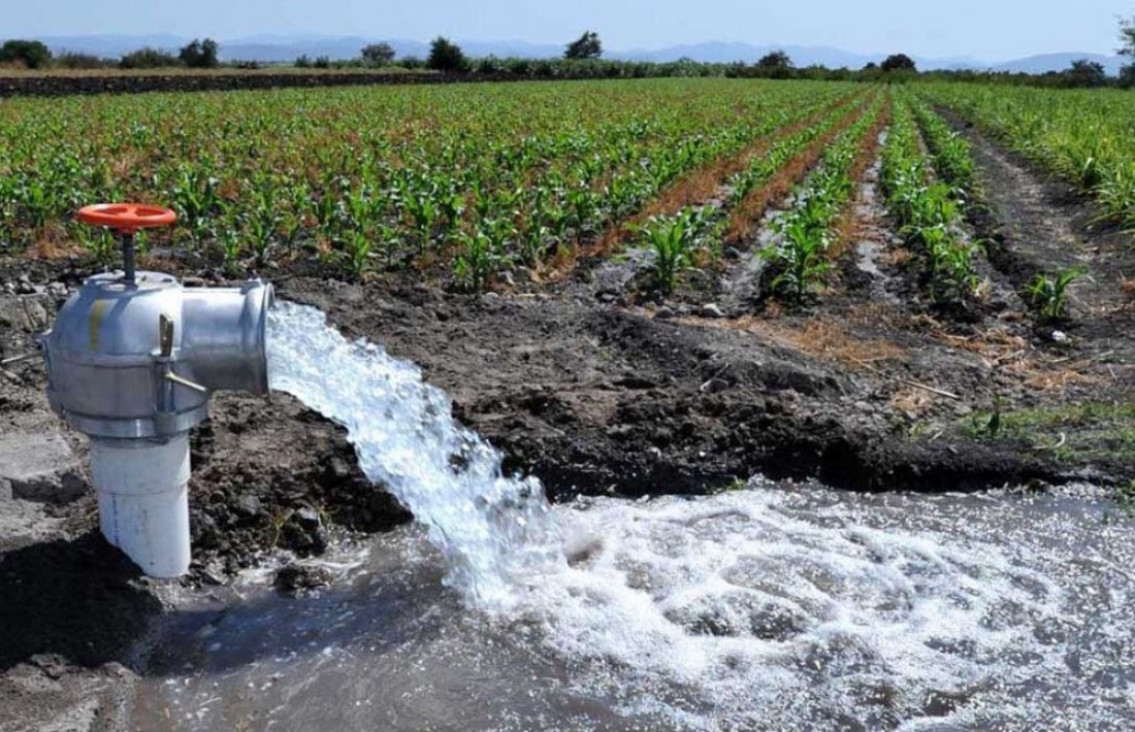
(97, 311)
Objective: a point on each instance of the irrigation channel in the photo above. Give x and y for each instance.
(772, 607)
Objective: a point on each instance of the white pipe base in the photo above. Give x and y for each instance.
(143, 489)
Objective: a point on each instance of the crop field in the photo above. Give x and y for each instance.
(480, 179)
(474, 183)
(844, 222)
(628, 288)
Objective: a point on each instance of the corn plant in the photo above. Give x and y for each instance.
(358, 247)
(1049, 293)
(476, 261)
(671, 240)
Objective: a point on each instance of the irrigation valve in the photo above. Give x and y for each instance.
(132, 360)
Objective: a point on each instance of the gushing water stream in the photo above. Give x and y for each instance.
(487, 526)
(777, 607)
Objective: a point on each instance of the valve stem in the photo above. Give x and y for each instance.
(128, 256)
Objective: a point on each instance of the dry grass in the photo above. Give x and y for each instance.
(52, 243)
(898, 256)
(822, 338)
(852, 227)
(1127, 287)
(912, 401)
(1001, 350)
(1059, 379)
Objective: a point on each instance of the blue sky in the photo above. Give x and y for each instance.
(988, 29)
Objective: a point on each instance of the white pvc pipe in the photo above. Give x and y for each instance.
(143, 488)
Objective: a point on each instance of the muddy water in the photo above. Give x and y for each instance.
(776, 607)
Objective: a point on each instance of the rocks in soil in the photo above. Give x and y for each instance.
(711, 310)
(300, 578)
(39, 467)
(25, 312)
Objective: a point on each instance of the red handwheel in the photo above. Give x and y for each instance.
(127, 217)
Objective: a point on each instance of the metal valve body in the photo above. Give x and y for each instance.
(132, 362)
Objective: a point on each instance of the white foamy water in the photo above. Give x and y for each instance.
(806, 609)
(779, 607)
(485, 524)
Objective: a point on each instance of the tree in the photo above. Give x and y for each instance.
(200, 54)
(775, 60)
(1127, 77)
(1127, 36)
(147, 58)
(378, 54)
(32, 54)
(1085, 73)
(586, 46)
(898, 62)
(446, 56)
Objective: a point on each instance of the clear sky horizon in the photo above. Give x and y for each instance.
(982, 29)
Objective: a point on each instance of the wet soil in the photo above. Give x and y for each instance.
(863, 388)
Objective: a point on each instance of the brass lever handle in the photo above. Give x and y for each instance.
(186, 383)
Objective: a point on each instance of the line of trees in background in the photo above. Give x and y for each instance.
(198, 54)
(581, 59)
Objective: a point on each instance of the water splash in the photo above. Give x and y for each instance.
(491, 529)
(760, 609)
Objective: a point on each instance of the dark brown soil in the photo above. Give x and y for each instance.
(60, 85)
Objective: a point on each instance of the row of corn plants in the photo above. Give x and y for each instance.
(697, 232)
(950, 152)
(953, 163)
(479, 177)
(800, 255)
(928, 211)
(553, 211)
(1085, 136)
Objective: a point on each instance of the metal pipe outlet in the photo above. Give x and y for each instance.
(132, 360)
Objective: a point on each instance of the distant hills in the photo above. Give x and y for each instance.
(274, 48)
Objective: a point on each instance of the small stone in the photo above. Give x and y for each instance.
(308, 518)
(297, 578)
(248, 505)
(863, 407)
(1059, 336)
(339, 468)
(57, 289)
(664, 313)
(711, 310)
